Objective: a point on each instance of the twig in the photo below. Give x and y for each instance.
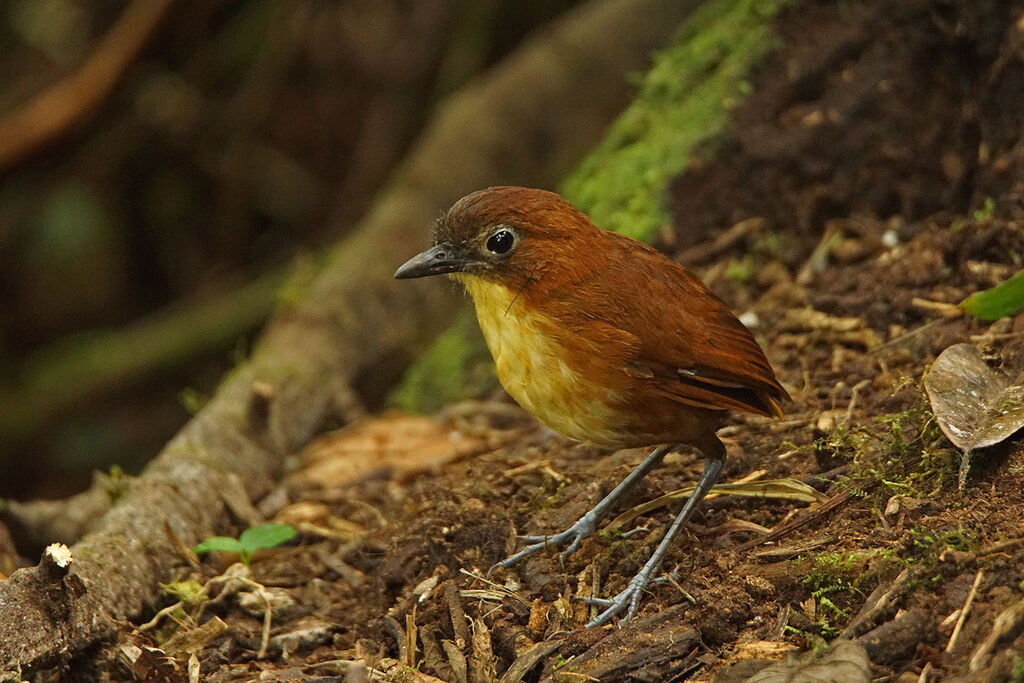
(529, 659)
(917, 331)
(457, 614)
(776, 553)
(942, 308)
(819, 255)
(854, 393)
(1001, 547)
(722, 242)
(398, 633)
(995, 337)
(52, 113)
(544, 466)
(964, 610)
(781, 621)
(158, 617)
(1006, 626)
(410, 638)
(876, 604)
(834, 502)
(267, 616)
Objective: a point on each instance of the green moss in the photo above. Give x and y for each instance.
(455, 367)
(684, 99)
(1018, 670)
(830, 571)
(116, 484)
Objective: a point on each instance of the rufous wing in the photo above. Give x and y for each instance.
(684, 340)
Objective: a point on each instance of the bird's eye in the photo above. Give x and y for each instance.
(500, 242)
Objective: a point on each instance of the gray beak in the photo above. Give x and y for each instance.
(438, 260)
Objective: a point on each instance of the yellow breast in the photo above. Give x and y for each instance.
(531, 366)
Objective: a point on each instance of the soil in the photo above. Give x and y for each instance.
(883, 161)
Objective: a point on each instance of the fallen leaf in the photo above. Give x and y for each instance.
(778, 489)
(975, 405)
(400, 445)
(844, 661)
(192, 640)
(762, 649)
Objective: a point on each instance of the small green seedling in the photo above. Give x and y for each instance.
(269, 535)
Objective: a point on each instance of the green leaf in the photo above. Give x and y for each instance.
(267, 535)
(1003, 300)
(223, 543)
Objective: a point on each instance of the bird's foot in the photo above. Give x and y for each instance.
(628, 600)
(574, 535)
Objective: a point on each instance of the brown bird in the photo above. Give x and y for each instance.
(604, 339)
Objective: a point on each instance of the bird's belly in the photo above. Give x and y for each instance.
(532, 366)
(534, 372)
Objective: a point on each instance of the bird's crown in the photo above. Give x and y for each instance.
(529, 211)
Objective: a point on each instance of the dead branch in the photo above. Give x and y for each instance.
(55, 111)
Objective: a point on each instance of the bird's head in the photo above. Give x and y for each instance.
(504, 235)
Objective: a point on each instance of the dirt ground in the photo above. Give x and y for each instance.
(396, 549)
(876, 168)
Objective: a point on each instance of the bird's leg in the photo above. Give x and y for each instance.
(586, 524)
(629, 599)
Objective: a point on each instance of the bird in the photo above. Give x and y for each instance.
(605, 340)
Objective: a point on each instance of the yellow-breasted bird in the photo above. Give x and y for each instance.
(604, 339)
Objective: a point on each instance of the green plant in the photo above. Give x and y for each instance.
(116, 484)
(987, 210)
(931, 543)
(825, 607)
(269, 535)
(1001, 301)
(740, 271)
(192, 400)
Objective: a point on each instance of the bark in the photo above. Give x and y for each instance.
(525, 122)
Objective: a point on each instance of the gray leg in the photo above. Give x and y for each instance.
(586, 524)
(629, 599)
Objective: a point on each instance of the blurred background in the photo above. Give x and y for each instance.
(143, 245)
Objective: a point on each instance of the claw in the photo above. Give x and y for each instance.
(574, 535)
(573, 547)
(628, 600)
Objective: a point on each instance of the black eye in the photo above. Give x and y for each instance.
(500, 242)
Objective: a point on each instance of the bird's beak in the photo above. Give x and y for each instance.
(439, 259)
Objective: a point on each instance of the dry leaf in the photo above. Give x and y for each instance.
(975, 405)
(399, 444)
(780, 489)
(844, 661)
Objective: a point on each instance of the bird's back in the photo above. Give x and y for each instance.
(668, 351)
